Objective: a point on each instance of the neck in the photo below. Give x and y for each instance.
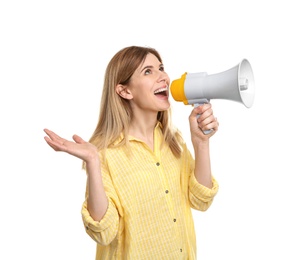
(143, 127)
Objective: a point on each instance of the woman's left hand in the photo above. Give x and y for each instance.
(202, 119)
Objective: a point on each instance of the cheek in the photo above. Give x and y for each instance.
(143, 87)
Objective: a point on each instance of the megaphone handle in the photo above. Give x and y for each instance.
(203, 101)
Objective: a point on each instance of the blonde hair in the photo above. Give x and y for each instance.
(115, 112)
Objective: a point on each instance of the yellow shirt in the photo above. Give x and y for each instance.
(150, 196)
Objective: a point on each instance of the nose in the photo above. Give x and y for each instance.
(163, 76)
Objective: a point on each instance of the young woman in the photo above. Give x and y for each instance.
(142, 180)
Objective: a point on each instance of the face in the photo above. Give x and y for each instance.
(149, 86)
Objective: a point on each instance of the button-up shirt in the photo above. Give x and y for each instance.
(150, 194)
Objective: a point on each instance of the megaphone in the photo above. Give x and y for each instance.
(236, 84)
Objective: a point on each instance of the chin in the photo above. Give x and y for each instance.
(164, 108)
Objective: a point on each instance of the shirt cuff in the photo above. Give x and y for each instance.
(202, 192)
(107, 222)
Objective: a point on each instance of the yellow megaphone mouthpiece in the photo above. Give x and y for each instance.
(178, 89)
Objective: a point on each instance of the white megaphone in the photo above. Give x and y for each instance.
(236, 84)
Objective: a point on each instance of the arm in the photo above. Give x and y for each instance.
(97, 202)
(201, 142)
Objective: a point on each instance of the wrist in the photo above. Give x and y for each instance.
(201, 145)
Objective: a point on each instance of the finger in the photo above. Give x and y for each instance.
(206, 116)
(208, 123)
(78, 139)
(202, 108)
(216, 124)
(211, 125)
(52, 134)
(54, 145)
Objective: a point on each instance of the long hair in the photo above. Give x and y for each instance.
(115, 112)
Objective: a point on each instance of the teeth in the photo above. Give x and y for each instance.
(161, 90)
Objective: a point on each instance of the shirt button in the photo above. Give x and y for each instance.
(157, 164)
(167, 191)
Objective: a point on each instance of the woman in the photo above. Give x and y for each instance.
(141, 178)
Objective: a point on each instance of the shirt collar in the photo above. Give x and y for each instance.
(157, 127)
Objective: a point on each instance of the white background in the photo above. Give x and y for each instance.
(52, 60)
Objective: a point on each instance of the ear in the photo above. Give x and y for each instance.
(123, 91)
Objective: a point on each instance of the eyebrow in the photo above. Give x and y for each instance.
(150, 67)
(147, 67)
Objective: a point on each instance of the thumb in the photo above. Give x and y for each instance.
(78, 139)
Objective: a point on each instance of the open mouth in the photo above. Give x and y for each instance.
(161, 92)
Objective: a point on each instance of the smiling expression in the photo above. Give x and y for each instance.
(149, 86)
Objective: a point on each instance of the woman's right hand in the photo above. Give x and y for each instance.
(78, 148)
(97, 202)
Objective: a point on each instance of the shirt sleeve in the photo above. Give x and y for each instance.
(105, 230)
(200, 197)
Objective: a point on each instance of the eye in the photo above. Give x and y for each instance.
(147, 71)
(161, 68)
